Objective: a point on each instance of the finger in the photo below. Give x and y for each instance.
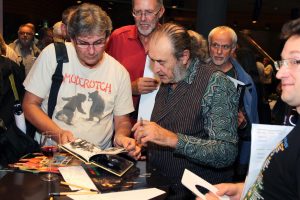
(138, 133)
(148, 79)
(135, 126)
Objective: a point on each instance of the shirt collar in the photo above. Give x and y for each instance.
(191, 71)
(134, 33)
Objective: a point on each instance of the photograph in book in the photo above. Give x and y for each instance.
(106, 159)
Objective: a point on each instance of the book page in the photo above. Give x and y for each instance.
(84, 150)
(112, 163)
(264, 138)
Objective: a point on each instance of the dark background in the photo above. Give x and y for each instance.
(271, 15)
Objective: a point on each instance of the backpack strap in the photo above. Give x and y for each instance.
(57, 77)
(13, 86)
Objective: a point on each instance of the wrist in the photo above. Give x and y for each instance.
(116, 141)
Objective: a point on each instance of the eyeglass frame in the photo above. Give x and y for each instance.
(224, 47)
(145, 13)
(286, 62)
(86, 45)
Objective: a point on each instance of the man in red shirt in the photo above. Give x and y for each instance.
(129, 45)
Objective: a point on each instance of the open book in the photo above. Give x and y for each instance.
(105, 159)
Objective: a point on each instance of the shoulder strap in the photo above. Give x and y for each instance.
(57, 77)
(13, 86)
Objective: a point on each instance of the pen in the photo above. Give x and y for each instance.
(70, 193)
(78, 186)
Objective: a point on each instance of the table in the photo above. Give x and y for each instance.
(29, 186)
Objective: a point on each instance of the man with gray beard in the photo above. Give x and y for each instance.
(129, 45)
(193, 124)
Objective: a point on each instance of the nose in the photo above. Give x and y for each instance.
(143, 16)
(281, 72)
(156, 67)
(91, 49)
(219, 50)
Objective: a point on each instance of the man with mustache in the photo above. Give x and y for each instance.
(279, 178)
(129, 45)
(193, 124)
(222, 43)
(24, 46)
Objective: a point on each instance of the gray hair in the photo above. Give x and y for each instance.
(226, 29)
(89, 19)
(199, 43)
(179, 38)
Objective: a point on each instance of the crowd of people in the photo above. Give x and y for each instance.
(200, 121)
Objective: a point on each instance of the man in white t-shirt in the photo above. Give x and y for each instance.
(94, 99)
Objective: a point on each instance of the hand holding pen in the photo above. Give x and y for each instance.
(146, 131)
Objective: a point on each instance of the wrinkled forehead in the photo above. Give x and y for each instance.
(222, 37)
(26, 29)
(94, 34)
(160, 47)
(145, 4)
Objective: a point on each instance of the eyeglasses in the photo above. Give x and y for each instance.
(292, 63)
(147, 13)
(25, 33)
(225, 47)
(97, 44)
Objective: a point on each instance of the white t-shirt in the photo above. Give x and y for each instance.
(88, 98)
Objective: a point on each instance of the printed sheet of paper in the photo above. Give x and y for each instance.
(142, 194)
(147, 100)
(264, 139)
(77, 175)
(191, 180)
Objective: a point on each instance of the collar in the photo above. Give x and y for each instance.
(191, 71)
(134, 33)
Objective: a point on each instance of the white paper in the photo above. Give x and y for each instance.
(235, 81)
(190, 180)
(77, 175)
(147, 100)
(142, 194)
(264, 138)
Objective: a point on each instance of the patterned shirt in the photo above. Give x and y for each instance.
(222, 137)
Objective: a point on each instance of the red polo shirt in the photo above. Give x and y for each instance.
(125, 46)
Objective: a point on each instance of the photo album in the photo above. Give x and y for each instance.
(106, 159)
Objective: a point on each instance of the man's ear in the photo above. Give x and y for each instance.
(233, 50)
(185, 57)
(107, 39)
(161, 12)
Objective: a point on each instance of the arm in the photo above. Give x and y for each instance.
(35, 115)
(219, 110)
(122, 136)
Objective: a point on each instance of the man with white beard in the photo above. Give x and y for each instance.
(129, 45)
(193, 124)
